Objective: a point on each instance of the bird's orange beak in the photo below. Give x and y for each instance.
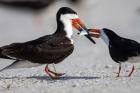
(95, 32)
(79, 25)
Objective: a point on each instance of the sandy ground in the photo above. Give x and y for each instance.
(89, 69)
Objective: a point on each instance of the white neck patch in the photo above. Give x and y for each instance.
(66, 19)
(104, 37)
(67, 27)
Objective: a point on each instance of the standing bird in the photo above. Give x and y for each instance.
(120, 49)
(49, 49)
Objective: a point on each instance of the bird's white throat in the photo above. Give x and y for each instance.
(68, 28)
(66, 19)
(104, 37)
(67, 25)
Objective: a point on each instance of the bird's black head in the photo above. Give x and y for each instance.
(110, 34)
(67, 19)
(107, 35)
(64, 11)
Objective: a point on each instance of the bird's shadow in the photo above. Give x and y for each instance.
(66, 77)
(48, 78)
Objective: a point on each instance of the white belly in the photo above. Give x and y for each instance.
(134, 59)
(25, 64)
(21, 64)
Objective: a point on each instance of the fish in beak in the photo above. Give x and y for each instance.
(79, 25)
(95, 32)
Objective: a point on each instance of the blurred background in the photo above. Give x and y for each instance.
(24, 20)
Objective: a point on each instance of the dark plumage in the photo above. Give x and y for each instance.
(120, 49)
(49, 49)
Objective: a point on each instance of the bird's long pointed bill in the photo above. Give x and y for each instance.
(79, 25)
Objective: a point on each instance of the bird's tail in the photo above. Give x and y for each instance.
(3, 56)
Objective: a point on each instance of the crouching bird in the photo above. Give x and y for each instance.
(120, 49)
(49, 49)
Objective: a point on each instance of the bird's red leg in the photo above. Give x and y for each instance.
(56, 74)
(119, 70)
(133, 68)
(50, 74)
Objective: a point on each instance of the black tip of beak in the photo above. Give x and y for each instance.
(88, 36)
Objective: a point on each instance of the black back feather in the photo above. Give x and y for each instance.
(121, 48)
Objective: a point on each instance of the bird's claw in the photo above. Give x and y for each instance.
(56, 74)
(53, 75)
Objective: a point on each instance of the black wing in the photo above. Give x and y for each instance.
(43, 50)
(131, 47)
(124, 48)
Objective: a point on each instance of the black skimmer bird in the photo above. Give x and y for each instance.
(121, 49)
(49, 49)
